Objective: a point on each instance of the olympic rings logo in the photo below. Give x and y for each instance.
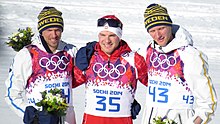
(114, 72)
(54, 62)
(162, 60)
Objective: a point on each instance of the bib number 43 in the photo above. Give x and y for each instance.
(158, 94)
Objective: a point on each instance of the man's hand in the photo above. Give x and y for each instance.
(198, 120)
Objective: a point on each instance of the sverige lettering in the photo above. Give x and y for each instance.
(156, 18)
(49, 20)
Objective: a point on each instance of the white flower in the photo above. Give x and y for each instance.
(21, 34)
(163, 120)
(14, 34)
(15, 39)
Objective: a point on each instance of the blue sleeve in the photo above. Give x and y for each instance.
(84, 55)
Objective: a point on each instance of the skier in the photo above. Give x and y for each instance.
(179, 86)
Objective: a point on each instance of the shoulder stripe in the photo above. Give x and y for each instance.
(210, 88)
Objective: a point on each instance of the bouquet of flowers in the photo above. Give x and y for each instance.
(20, 39)
(163, 120)
(54, 107)
(53, 102)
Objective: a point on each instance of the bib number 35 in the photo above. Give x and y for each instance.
(114, 105)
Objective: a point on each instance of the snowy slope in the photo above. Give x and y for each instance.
(200, 18)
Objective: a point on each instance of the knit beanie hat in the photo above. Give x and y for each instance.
(110, 23)
(49, 17)
(156, 15)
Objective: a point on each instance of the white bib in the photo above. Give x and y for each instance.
(168, 93)
(108, 101)
(33, 91)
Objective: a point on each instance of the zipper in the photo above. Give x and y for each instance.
(160, 47)
(150, 115)
(109, 62)
(180, 118)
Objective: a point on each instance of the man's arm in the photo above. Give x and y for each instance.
(19, 72)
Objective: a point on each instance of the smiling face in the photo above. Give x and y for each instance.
(108, 42)
(161, 34)
(52, 37)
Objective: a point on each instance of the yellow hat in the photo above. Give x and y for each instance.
(156, 15)
(49, 17)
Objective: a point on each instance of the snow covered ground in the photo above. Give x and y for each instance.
(200, 18)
